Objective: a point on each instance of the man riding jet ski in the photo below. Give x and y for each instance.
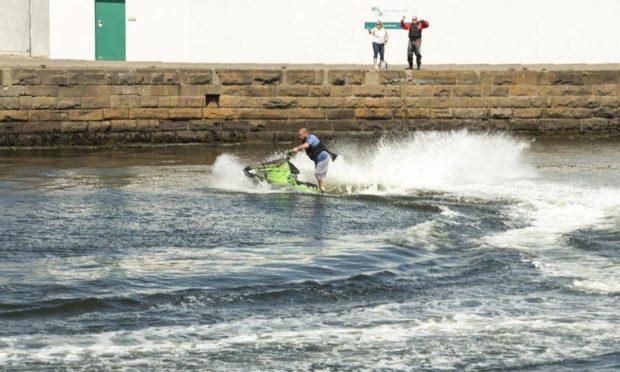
(282, 172)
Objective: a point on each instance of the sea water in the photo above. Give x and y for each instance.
(433, 251)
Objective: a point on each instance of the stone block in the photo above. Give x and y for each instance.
(25, 76)
(195, 101)
(199, 90)
(417, 90)
(9, 103)
(117, 126)
(601, 77)
(196, 77)
(48, 115)
(85, 115)
(498, 77)
(185, 113)
(306, 113)
(248, 90)
(41, 103)
(467, 78)
(13, 115)
(308, 102)
(85, 91)
(500, 113)
(99, 126)
(415, 113)
(173, 125)
(237, 125)
(373, 114)
(124, 101)
(148, 113)
(531, 78)
(219, 113)
(92, 77)
(267, 77)
(47, 127)
(304, 77)
(249, 113)
(565, 77)
(524, 125)
(12, 91)
(159, 90)
(163, 137)
(347, 125)
(523, 90)
(562, 112)
(354, 102)
(494, 91)
(122, 77)
(73, 126)
(369, 91)
(441, 113)
(293, 90)
(382, 102)
(147, 125)
(595, 124)
(115, 113)
(95, 102)
(514, 102)
(605, 112)
(156, 77)
(172, 101)
(603, 89)
(65, 103)
(527, 113)
(41, 90)
(319, 91)
(392, 77)
(331, 102)
(278, 102)
(427, 77)
(466, 91)
(150, 101)
(470, 113)
(346, 77)
(204, 125)
(338, 91)
(338, 114)
(441, 91)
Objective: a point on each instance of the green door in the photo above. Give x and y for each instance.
(110, 29)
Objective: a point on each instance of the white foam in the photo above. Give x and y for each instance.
(502, 338)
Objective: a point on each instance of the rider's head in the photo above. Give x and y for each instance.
(302, 133)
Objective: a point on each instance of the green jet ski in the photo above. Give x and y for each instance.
(280, 172)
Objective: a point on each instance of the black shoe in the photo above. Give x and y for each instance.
(419, 66)
(408, 68)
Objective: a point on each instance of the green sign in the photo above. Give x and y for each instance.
(386, 25)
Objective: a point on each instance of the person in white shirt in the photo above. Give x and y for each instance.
(379, 39)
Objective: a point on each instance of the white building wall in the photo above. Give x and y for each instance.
(72, 29)
(329, 31)
(14, 26)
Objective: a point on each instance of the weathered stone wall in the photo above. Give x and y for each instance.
(43, 106)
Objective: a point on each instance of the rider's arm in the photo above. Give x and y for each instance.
(303, 146)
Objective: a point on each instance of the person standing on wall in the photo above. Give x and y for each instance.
(379, 39)
(415, 39)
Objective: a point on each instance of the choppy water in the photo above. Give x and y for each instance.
(440, 251)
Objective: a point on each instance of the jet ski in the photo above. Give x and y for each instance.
(280, 172)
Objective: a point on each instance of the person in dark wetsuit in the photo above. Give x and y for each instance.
(415, 39)
(317, 151)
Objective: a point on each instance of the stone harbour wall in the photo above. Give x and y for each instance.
(42, 106)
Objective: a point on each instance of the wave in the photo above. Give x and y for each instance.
(421, 160)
